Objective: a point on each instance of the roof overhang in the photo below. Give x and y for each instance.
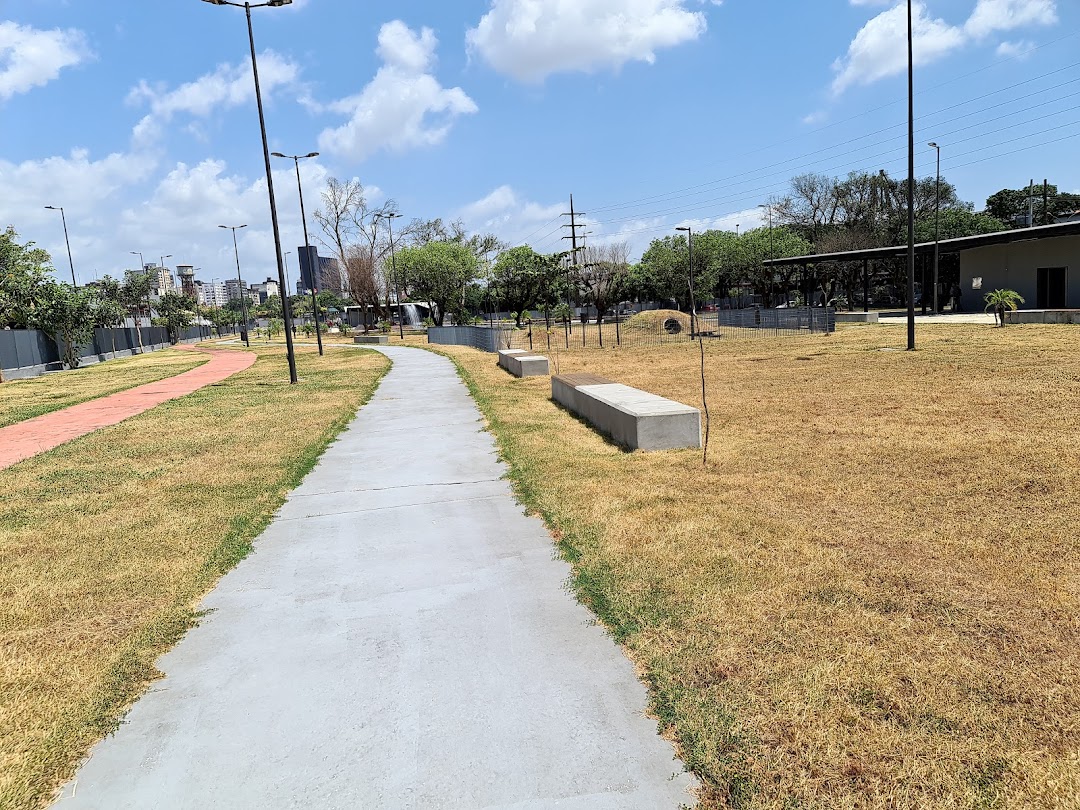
(947, 245)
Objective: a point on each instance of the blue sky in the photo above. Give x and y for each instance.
(140, 120)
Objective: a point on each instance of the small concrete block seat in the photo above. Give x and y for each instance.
(634, 418)
(368, 340)
(521, 364)
(507, 353)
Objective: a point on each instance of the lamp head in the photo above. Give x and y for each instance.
(312, 155)
(278, 154)
(275, 3)
(52, 208)
(683, 229)
(215, 2)
(933, 145)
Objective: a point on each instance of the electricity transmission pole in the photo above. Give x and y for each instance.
(573, 226)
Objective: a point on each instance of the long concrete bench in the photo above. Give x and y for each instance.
(368, 340)
(522, 364)
(636, 419)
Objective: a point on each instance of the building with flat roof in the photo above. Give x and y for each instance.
(1040, 263)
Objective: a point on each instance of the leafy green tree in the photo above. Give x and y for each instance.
(665, 264)
(1011, 205)
(134, 293)
(177, 312)
(110, 309)
(439, 272)
(24, 271)
(517, 279)
(67, 316)
(270, 308)
(957, 223)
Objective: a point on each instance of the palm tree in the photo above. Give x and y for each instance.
(1001, 300)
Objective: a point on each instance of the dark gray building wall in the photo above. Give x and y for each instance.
(1015, 266)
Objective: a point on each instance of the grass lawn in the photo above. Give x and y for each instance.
(107, 544)
(870, 598)
(25, 399)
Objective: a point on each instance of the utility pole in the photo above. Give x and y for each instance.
(1046, 202)
(1031, 203)
(573, 226)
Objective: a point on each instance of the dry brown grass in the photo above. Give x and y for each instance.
(107, 543)
(871, 596)
(25, 399)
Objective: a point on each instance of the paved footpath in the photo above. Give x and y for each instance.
(401, 637)
(27, 439)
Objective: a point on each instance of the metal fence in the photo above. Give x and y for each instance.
(664, 329)
(29, 352)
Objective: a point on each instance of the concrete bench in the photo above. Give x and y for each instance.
(522, 364)
(367, 340)
(636, 419)
(857, 317)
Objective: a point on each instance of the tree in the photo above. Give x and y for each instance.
(110, 309)
(438, 272)
(24, 270)
(1001, 300)
(67, 316)
(664, 269)
(351, 228)
(133, 293)
(517, 279)
(177, 311)
(1011, 205)
(602, 274)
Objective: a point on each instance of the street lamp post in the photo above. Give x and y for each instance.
(772, 244)
(393, 266)
(240, 281)
(63, 218)
(911, 184)
(149, 310)
(937, 227)
(693, 304)
(307, 244)
(290, 351)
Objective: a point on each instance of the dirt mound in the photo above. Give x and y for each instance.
(659, 320)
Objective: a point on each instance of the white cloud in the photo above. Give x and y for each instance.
(31, 58)
(1007, 15)
(403, 107)
(227, 86)
(531, 39)
(1015, 50)
(504, 213)
(879, 49)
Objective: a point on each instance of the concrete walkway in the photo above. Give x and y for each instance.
(27, 439)
(400, 638)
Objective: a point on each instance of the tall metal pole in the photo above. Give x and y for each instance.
(397, 282)
(693, 303)
(307, 244)
(287, 315)
(911, 184)
(240, 281)
(67, 241)
(937, 230)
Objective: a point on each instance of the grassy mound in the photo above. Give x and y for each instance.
(654, 321)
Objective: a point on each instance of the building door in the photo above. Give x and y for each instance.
(1053, 288)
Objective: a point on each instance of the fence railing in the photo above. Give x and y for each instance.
(653, 329)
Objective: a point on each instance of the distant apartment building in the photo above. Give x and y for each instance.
(211, 293)
(266, 289)
(235, 289)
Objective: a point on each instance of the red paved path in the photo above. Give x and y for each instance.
(24, 440)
